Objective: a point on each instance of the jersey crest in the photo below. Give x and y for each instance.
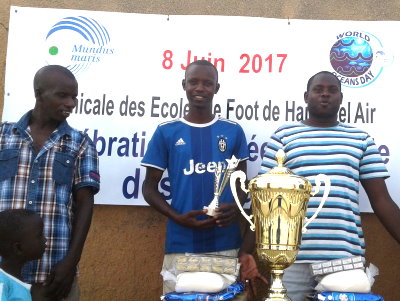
(222, 143)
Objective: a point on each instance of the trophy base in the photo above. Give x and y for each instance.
(277, 291)
(278, 298)
(279, 295)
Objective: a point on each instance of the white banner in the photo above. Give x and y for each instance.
(130, 66)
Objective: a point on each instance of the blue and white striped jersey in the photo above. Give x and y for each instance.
(345, 154)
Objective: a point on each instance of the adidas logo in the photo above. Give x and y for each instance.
(180, 142)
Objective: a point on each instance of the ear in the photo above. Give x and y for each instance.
(17, 248)
(306, 97)
(38, 95)
(184, 84)
(217, 88)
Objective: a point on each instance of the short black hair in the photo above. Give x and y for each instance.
(12, 222)
(42, 72)
(202, 63)
(323, 72)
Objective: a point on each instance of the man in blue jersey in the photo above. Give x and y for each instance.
(349, 156)
(190, 149)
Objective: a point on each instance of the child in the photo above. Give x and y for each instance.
(21, 240)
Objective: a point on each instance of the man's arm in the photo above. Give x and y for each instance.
(155, 199)
(384, 207)
(248, 267)
(248, 243)
(60, 280)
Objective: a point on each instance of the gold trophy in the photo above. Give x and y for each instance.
(279, 202)
(219, 188)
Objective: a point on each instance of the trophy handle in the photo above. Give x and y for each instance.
(242, 176)
(318, 179)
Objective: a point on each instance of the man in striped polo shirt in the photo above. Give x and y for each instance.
(349, 156)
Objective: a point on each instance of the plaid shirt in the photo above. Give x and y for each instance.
(44, 181)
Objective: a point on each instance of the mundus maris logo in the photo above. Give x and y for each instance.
(76, 43)
(358, 58)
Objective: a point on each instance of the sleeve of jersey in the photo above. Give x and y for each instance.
(268, 160)
(242, 150)
(371, 164)
(87, 167)
(157, 153)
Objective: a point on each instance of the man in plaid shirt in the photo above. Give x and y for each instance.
(48, 167)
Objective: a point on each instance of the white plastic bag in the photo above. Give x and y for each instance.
(203, 282)
(371, 272)
(355, 281)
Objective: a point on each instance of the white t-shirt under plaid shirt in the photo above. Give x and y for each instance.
(345, 154)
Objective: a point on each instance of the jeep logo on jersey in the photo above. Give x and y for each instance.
(200, 167)
(221, 143)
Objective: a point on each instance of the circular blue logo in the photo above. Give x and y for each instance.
(358, 58)
(351, 57)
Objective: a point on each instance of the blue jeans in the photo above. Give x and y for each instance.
(299, 281)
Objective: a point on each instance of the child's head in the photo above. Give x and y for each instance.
(21, 235)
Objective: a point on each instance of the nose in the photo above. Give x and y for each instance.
(71, 103)
(199, 87)
(325, 92)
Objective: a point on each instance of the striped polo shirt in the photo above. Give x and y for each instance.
(345, 154)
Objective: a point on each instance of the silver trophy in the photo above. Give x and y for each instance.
(219, 188)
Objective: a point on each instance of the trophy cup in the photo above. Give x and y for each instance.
(218, 189)
(279, 201)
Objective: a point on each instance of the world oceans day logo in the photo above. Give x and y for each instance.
(358, 58)
(76, 43)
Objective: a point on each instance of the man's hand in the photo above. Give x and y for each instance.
(190, 220)
(38, 292)
(59, 282)
(226, 214)
(249, 273)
